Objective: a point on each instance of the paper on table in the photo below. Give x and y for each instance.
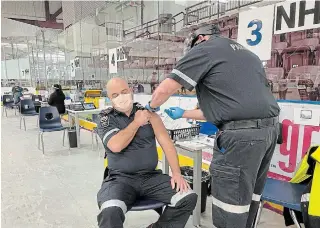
(191, 145)
(173, 124)
(205, 141)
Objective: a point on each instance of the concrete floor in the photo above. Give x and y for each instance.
(58, 190)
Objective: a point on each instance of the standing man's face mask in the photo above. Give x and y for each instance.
(123, 102)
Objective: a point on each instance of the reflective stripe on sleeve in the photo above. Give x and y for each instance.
(235, 209)
(256, 197)
(184, 77)
(114, 203)
(109, 133)
(179, 196)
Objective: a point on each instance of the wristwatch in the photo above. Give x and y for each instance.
(151, 109)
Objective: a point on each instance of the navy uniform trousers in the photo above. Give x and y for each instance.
(241, 160)
(120, 191)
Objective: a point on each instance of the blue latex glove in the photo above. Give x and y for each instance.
(150, 109)
(174, 112)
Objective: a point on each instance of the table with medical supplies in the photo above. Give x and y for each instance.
(76, 115)
(193, 148)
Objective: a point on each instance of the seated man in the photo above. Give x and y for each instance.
(128, 134)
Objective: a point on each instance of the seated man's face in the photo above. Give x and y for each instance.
(120, 95)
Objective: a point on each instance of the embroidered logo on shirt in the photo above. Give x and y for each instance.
(104, 118)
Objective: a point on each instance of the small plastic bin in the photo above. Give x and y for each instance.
(184, 133)
(187, 173)
(72, 135)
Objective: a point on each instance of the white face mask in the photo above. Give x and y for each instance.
(123, 102)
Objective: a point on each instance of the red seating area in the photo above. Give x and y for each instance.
(295, 49)
(299, 53)
(317, 56)
(276, 54)
(294, 68)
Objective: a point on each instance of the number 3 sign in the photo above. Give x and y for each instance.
(255, 30)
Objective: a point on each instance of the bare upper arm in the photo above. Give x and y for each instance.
(159, 129)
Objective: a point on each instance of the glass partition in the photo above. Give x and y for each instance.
(147, 38)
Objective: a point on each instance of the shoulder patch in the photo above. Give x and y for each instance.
(104, 121)
(104, 116)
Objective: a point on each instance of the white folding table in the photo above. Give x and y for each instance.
(194, 152)
(76, 115)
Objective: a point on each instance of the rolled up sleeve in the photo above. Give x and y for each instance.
(191, 68)
(107, 128)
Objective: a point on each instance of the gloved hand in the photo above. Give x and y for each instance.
(152, 109)
(174, 112)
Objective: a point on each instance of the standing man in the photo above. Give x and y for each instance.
(233, 94)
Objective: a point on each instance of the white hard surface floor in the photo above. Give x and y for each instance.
(58, 190)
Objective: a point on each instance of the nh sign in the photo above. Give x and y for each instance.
(293, 16)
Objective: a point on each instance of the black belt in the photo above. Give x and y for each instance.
(246, 124)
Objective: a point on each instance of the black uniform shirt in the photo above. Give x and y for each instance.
(140, 155)
(230, 81)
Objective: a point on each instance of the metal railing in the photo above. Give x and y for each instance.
(207, 9)
(153, 27)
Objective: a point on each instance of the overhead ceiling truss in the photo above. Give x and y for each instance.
(50, 21)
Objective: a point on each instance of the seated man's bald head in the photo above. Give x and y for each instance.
(116, 86)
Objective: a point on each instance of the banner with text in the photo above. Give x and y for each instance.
(294, 16)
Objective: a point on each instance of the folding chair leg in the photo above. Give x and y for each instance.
(92, 133)
(294, 218)
(256, 221)
(42, 142)
(97, 141)
(20, 121)
(38, 121)
(15, 111)
(24, 122)
(68, 142)
(39, 140)
(64, 134)
(5, 109)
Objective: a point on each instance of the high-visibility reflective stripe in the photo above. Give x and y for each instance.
(256, 197)
(179, 196)
(108, 133)
(235, 209)
(184, 77)
(305, 197)
(114, 203)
